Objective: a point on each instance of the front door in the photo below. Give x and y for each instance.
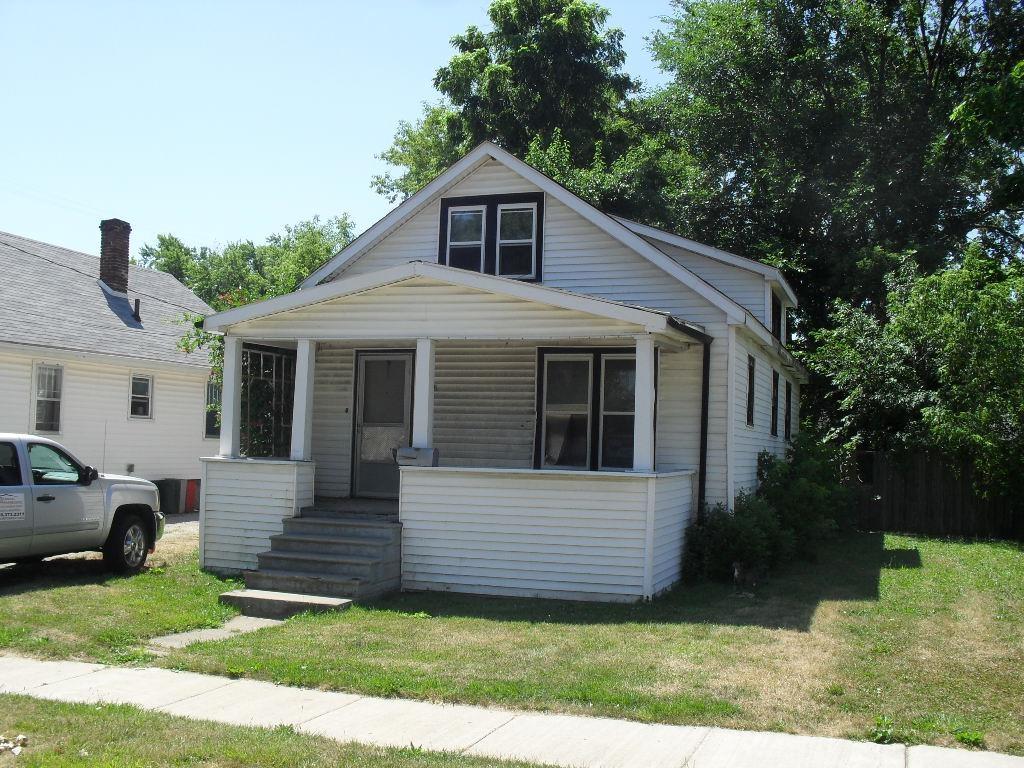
(383, 420)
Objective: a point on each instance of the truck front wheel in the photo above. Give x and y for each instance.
(127, 546)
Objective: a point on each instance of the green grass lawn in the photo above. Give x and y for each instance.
(73, 735)
(74, 608)
(892, 637)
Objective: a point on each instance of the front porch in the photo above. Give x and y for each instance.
(568, 444)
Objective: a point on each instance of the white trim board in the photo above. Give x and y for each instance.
(651, 320)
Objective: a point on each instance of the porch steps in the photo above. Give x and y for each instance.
(329, 554)
(281, 605)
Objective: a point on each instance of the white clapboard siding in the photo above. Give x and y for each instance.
(244, 502)
(422, 306)
(575, 535)
(95, 425)
(751, 440)
(679, 403)
(673, 511)
(743, 286)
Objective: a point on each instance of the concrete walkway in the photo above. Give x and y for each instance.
(562, 740)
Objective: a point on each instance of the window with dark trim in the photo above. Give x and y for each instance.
(751, 373)
(585, 408)
(213, 396)
(775, 403)
(776, 316)
(494, 234)
(788, 425)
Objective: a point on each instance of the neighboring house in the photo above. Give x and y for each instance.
(586, 382)
(89, 356)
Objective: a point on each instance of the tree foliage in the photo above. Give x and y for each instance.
(243, 272)
(544, 65)
(943, 368)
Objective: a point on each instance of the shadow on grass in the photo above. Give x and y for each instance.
(23, 578)
(847, 568)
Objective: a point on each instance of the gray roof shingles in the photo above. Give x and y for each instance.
(51, 297)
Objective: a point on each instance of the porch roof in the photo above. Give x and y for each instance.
(642, 319)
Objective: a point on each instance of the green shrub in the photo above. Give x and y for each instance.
(806, 490)
(749, 538)
(799, 501)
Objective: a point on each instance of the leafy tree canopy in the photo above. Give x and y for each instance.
(244, 272)
(544, 65)
(942, 368)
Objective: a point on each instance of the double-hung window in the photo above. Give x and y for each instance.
(140, 402)
(49, 386)
(586, 409)
(494, 234)
(517, 240)
(466, 229)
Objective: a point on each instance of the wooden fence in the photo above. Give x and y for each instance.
(924, 493)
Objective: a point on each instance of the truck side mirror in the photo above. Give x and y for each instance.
(87, 475)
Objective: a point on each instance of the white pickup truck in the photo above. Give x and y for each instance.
(51, 503)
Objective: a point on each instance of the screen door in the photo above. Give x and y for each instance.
(383, 420)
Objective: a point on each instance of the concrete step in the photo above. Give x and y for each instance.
(280, 605)
(342, 565)
(389, 531)
(383, 549)
(315, 583)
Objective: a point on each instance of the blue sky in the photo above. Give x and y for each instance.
(219, 121)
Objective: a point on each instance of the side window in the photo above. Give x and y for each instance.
(140, 404)
(788, 424)
(567, 408)
(49, 386)
(776, 316)
(751, 383)
(10, 469)
(51, 466)
(775, 403)
(213, 395)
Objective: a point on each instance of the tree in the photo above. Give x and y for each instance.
(243, 272)
(817, 131)
(544, 65)
(942, 369)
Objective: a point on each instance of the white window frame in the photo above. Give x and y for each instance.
(36, 367)
(589, 359)
(603, 412)
(482, 209)
(131, 395)
(532, 242)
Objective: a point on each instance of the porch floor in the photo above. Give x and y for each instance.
(378, 509)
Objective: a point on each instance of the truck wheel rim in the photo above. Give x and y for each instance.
(134, 545)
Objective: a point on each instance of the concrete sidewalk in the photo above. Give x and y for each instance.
(564, 740)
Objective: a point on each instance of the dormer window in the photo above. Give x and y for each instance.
(495, 234)
(517, 240)
(466, 228)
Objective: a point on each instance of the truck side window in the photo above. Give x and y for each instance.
(51, 466)
(10, 471)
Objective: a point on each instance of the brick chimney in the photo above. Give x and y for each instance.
(114, 254)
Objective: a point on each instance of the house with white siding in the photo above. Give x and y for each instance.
(89, 357)
(501, 390)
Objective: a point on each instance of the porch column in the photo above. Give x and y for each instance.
(302, 405)
(643, 420)
(423, 395)
(231, 397)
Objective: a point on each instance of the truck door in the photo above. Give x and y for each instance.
(68, 515)
(15, 504)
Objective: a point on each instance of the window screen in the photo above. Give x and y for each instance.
(49, 384)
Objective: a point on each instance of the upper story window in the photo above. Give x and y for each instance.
(494, 234)
(777, 314)
(517, 240)
(466, 228)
